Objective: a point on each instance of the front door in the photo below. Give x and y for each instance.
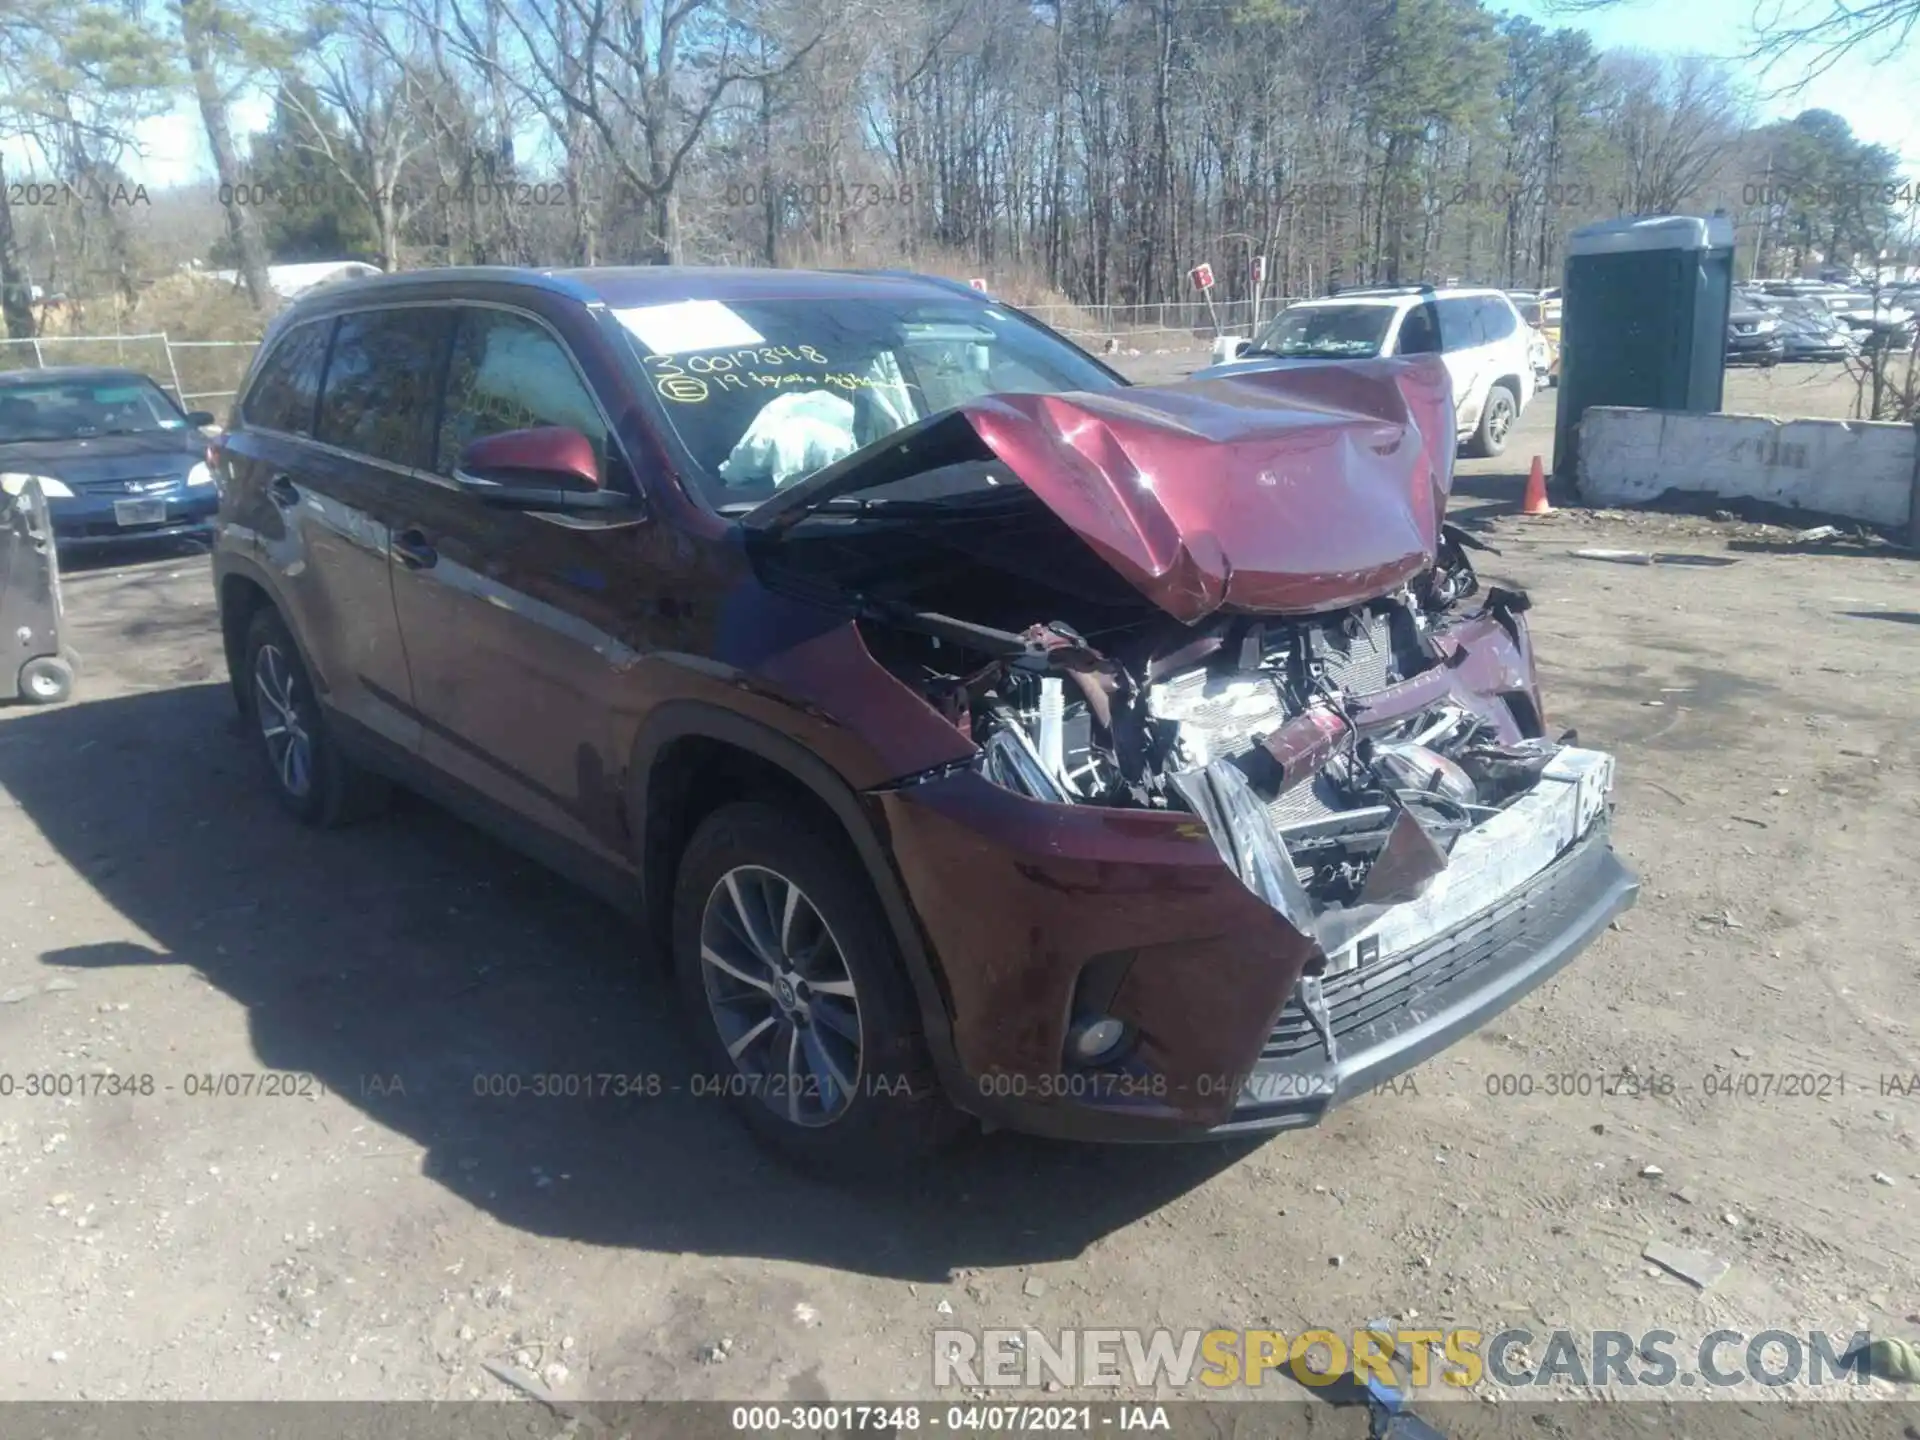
(520, 628)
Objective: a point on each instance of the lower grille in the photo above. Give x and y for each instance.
(1526, 919)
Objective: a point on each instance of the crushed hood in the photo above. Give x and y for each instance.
(1293, 490)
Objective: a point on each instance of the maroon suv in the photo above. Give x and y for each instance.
(977, 732)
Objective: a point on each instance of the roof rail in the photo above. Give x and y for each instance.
(956, 286)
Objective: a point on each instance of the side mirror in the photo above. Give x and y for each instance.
(549, 468)
(200, 419)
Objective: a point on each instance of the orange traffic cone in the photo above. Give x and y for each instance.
(1535, 502)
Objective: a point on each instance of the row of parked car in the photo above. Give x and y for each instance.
(1814, 320)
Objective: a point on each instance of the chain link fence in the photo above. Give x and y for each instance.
(1173, 324)
(199, 373)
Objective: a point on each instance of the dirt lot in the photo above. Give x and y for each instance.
(388, 1236)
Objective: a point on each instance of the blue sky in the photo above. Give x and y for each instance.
(1878, 100)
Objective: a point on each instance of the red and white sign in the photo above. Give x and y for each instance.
(978, 284)
(1259, 271)
(1202, 277)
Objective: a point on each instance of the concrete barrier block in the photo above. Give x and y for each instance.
(1862, 470)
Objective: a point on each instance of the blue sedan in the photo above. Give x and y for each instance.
(117, 458)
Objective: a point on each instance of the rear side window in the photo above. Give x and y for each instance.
(510, 373)
(1460, 324)
(382, 382)
(283, 393)
(1418, 334)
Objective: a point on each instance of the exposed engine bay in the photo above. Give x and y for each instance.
(1284, 641)
(1257, 725)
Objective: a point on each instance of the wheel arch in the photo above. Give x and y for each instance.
(240, 597)
(242, 588)
(690, 757)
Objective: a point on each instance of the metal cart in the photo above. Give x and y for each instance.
(33, 665)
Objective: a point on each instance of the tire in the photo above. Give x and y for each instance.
(325, 788)
(1496, 423)
(865, 1099)
(46, 680)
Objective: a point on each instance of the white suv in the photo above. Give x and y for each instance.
(1480, 334)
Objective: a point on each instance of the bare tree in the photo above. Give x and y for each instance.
(212, 32)
(359, 73)
(1671, 122)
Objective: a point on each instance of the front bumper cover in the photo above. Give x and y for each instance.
(1387, 1017)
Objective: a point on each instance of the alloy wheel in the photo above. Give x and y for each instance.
(781, 996)
(283, 721)
(1500, 422)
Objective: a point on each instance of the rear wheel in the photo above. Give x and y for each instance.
(316, 783)
(1496, 423)
(803, 1013)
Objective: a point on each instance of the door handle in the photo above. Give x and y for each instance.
(283, 491)
(410, 547)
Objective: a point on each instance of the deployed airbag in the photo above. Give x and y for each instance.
(793, 435)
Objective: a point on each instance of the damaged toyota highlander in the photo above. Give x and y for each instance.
(973, 732)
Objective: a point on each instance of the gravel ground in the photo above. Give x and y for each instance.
(383, 1232)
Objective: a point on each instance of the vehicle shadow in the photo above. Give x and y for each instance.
(409, 961)
(128, 554)
(1898, 617)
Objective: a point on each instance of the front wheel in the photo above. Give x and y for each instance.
(1496, 423)
(804, 1016)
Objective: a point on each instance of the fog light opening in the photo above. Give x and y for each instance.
(1095, 1039)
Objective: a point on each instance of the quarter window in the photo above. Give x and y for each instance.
(283, 394)
(382, 382)
(509, 373)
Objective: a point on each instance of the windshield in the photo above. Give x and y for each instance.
(81, 409)
(762, 393)
(1330, 332)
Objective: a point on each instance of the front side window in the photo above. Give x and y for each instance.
(509, 373)
(1496, 319)
(1326, 332)
(284, 393)
(761, 393)
(382, 381)
(75, 409)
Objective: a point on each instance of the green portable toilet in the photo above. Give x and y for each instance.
(1643, 319)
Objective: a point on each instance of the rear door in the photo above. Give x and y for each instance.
(1463, 344)
(1509, 346)
(373, 431)
(315, 513)
(520, 627)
